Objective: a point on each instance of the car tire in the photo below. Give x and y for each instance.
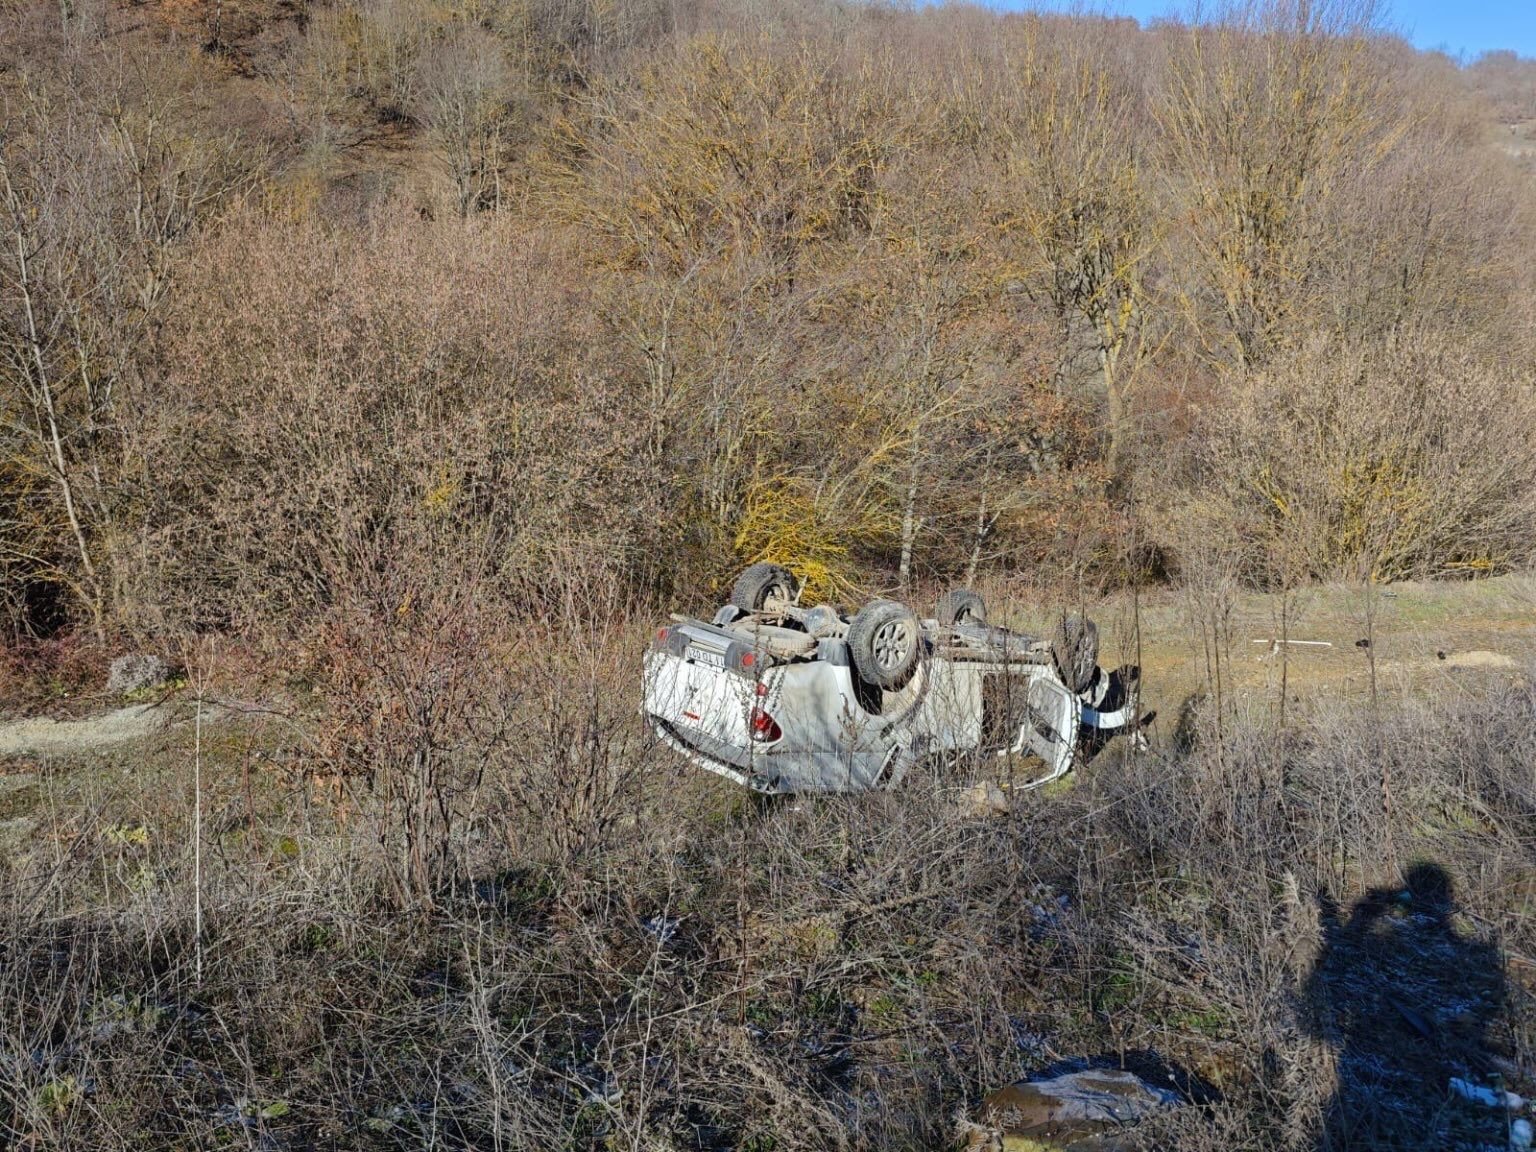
(1075, 652)
(962, 606)
(884, 640)
(760, 583)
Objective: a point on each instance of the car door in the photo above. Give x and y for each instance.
(1050, 726)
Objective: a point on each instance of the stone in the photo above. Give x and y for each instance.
(137, 672)
(983, 799)
(1072, 1111)
(1481, 659)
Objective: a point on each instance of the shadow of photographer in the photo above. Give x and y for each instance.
(1407, 1001)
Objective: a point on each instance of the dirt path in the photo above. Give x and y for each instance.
(1426, 637)
(41, 734)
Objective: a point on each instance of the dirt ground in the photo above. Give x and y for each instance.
(1425, 637)
(41, 735)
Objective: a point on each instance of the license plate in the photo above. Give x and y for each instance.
(705, 656)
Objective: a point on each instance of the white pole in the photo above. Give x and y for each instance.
(197, 839)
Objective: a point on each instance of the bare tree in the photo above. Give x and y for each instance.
(99, 184)
(1264, 109)
(466, 104)
(1074, 151)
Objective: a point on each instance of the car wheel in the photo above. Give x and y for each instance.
(962, 606)
(1075, 652)
(761, 583)
(883, 640)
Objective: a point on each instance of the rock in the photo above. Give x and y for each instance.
(1480, 658)
(983, 799)
(136, 672)
(1073, 1111)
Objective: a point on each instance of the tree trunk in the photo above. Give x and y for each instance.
(1114, 455)
(909, 526)
(983, 525)
(51, 440)
(976, 543)
(1114, 334)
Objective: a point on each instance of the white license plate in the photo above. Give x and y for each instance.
(705, 656)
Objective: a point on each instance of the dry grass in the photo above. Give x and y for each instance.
(622, 953)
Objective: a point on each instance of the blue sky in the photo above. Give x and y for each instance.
(1460, 27)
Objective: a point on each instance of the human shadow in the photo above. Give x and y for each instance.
(1407, 1001)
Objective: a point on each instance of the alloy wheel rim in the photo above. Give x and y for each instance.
(892, 644)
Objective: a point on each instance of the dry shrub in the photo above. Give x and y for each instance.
(747, 144)
(106, 168)
(389, 490)
(570, 765)
(1507, 81)
(348, 396)
(1248, 850)
(812, 532)
(478, 734)
(976, 275)
(410, 670)
(694, 969)
(62, 672)
(1387, 462)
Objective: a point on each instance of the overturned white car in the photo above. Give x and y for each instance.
(789, 699)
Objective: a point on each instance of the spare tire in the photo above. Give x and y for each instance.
(883, 641)
(1075, 652)
(760, 583)
(962, 606)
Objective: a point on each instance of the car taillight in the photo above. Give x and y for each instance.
(746, 661)
(763, 727)
(669, 639)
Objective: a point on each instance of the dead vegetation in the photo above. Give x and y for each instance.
(390, 365)
(643, 960)
(944, 290)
